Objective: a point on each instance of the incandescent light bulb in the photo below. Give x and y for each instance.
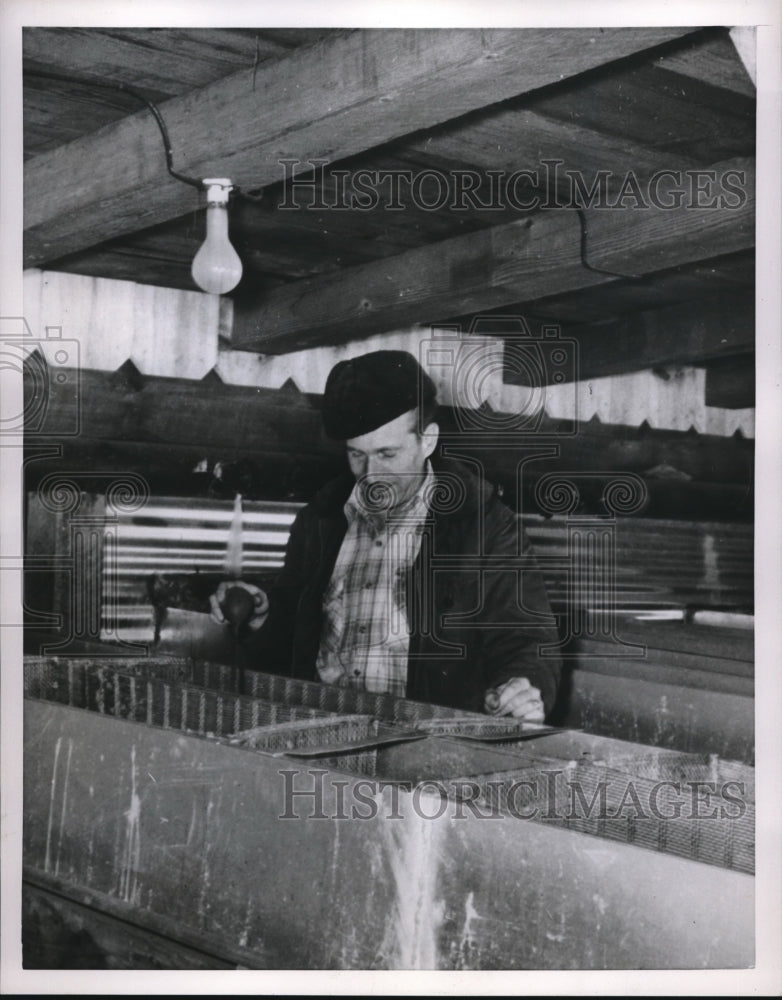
(216, 267)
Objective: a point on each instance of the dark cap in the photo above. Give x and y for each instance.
(369, 391)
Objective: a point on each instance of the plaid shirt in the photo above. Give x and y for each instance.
(366, 635)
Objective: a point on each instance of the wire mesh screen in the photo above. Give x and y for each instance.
(671, 765)
(293, 736)
(478, 727)
(138, 693)
(143, 689)
(612, 804)
(661, 800)
(322, 735)
(333, 698)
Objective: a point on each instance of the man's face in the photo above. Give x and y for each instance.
(390, 460)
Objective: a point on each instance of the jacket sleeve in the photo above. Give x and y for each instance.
(271, 648)
(519, 624)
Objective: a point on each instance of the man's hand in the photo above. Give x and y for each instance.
(516, 697)
(260, 610)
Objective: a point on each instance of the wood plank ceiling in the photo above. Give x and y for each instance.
(625, 102)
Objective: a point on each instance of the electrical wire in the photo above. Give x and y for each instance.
(591, 267)
(155, 111)
(125, 89)
(237, 191)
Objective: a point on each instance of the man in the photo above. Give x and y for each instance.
(401, 577)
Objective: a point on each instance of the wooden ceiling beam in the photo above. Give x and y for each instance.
(516, 139)
(658, 111)
(730, 383)
(713, 61)
(688, 333)
(463, 274)
(161, 61)
(512, 263)
(716, 216)
(732, 272)
(334, 99)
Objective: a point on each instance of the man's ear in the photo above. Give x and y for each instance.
(429, 438)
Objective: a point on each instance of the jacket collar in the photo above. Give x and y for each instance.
(330, 501)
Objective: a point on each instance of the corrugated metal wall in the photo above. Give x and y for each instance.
(184, 545)
(649, 569)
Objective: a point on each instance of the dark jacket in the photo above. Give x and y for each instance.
(471, 628)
